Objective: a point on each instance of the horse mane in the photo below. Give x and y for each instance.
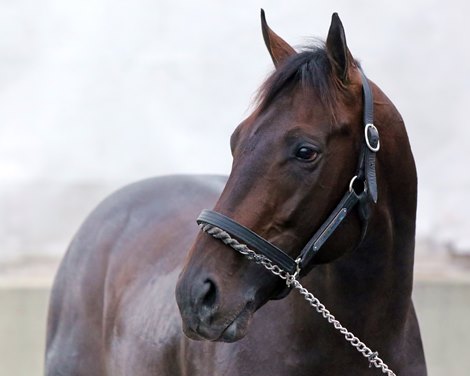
(311, 69)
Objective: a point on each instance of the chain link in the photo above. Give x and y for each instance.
(291, 280)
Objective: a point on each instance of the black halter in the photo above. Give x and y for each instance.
(362, 188)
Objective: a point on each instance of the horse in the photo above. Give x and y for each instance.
(129, 299)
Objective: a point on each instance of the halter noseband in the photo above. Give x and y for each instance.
(357, 192)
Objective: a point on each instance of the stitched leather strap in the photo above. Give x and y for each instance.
(250, 238)
(349, 200)
(372, 142)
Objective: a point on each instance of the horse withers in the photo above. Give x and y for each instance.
(113, 310)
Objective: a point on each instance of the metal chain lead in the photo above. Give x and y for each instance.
(371, 356)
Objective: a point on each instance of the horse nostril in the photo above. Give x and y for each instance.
(209, 294)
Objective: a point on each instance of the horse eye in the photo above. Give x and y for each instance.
(306, 153)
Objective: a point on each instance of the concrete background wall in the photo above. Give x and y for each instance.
(98, 93)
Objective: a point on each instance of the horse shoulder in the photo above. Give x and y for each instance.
(121, 267)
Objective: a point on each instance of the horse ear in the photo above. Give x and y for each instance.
(278, 48)
(337, 49)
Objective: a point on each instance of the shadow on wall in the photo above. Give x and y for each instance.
(96, 96)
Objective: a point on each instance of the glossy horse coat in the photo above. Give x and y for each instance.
(113, 310)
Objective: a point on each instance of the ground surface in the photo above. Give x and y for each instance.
(432, 264)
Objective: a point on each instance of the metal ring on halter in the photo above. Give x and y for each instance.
(366, 134)
(351, 185)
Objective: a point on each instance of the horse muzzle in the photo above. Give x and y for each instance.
(206, 316)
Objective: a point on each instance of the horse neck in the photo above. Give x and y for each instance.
(375, 280)
(381, 267)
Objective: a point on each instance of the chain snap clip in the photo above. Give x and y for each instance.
(293, 277)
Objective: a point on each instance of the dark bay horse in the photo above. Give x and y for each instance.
(113, 309)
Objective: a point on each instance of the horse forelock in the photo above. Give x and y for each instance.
(310, 70)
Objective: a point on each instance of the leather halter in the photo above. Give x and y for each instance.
(363, 186)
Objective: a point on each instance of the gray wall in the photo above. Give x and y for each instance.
(98, 93)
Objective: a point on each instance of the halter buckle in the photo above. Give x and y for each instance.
(371, 130)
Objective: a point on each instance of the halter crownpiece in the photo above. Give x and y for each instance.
(357, 192)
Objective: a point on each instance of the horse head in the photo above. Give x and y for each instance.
(293, 159)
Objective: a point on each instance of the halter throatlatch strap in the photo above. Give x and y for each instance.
(363, 185)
